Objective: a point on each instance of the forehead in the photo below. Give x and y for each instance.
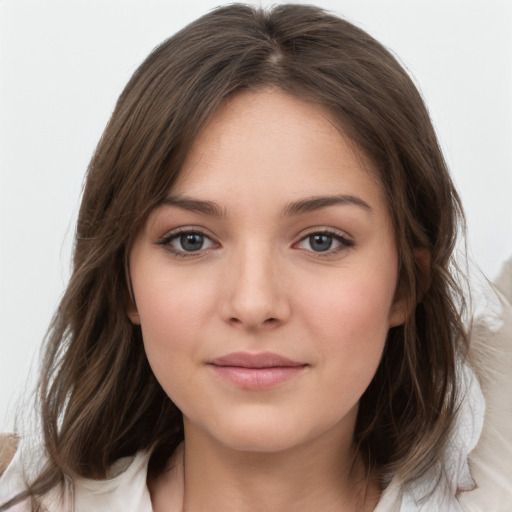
(268, 142)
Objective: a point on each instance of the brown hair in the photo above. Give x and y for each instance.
(99, 399)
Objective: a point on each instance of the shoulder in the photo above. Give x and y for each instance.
(491, 359)
(476, 475)
(12, 476)
(438, 488)
(124, 489)
(8, 446)
(479, 455)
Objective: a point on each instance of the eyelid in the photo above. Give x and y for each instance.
(165, 240)
(343, 238)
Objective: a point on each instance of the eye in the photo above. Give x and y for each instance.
(184, 243)
(324, 242)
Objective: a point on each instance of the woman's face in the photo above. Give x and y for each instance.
(264, 286)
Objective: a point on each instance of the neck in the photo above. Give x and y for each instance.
(273, 483)
(322, 475)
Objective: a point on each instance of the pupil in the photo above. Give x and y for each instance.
(320, 242)
(191, 242)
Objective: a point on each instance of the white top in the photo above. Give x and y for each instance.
(127, 491)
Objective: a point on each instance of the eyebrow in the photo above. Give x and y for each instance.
(299, 207)
(311, 204)
(195, 205)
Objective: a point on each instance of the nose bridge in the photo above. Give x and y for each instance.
(256, 293)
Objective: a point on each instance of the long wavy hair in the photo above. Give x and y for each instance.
(98, 397)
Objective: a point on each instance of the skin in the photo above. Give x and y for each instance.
(258, 283)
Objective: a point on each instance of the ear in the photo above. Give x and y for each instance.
(131, 307)
(132, 312)
(398, 313)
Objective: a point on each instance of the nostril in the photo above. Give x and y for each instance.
(268, 322)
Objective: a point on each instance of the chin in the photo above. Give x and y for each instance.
(256, 432)
(263, 440)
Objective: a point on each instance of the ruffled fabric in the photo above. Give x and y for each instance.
(438, 489)
(491, 359)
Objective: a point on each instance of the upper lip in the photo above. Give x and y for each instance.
(248, 360)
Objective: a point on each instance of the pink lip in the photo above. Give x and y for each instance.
(256, 371)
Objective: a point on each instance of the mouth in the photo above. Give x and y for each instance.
(256, 371)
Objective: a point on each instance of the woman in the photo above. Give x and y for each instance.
(263, 311)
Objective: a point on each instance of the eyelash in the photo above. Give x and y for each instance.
(344, 242)
(167, 240)
(337, 236)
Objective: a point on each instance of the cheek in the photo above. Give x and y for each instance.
(173, 315)
(168, 300)
(170, 330)
(349, 316)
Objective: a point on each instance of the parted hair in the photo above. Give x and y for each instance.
(98, 397)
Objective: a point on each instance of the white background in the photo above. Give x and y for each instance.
(63, 64)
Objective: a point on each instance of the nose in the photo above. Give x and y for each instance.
(255, 290)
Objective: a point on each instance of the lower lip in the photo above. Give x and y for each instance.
(257, 378)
